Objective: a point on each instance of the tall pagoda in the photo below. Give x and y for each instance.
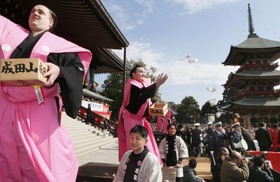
(254, 82)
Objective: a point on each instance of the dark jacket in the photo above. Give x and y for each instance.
(263, 137)
(216, 171)
(247, 137)
(258, 175)
(196, 136)
(190, 175)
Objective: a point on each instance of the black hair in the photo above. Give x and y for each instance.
(180, 126)
(258, 161)
(141, 130)
(192, 163)
(261, 124)
(54, 18)
(133, 70)
(172, 124)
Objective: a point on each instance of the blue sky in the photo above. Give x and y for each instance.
(162, 32)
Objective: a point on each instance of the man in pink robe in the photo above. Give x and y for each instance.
(159, 126)
(34, 145)
(138, 92)
(164, 121)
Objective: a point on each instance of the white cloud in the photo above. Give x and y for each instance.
(179, 72)
(184, 73)
(128, 15)
(193, 6)
(148, 5)
(121, 15)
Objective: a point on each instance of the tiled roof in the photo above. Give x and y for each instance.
(258, 43)
(253, 101)
(84, 22)
(253, 45)
(275, 74)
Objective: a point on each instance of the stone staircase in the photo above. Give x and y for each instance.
(86, 138)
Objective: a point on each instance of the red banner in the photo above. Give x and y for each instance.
(273, 157)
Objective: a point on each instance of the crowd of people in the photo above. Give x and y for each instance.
(228, 160)
(196, 136)
(226, 147)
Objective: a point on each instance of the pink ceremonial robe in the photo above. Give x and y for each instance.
(162, 122)
(128, 120)
(159, 126)
(33, 146)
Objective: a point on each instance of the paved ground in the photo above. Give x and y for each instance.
(107, 154)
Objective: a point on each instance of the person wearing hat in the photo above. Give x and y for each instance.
(216, 141)
(263, 137)
(209, 132)
(196, 140)
(235, 136)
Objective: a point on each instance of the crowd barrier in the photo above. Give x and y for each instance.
(273, 157)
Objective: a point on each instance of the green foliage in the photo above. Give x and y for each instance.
(188, 111)
(172, 106)
(112, 88)
(208, 110)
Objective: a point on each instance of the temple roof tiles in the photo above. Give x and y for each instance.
(275, 74)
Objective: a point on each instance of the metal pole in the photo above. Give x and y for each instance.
(124, 72)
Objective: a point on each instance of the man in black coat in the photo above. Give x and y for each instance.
(260, 172)
(190, 172)
(216, 141)
(196, 141)
(263, 137)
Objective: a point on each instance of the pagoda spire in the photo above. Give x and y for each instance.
(251, 26)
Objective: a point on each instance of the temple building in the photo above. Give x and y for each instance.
(255, 98)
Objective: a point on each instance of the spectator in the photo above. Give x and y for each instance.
(139, 164)
(89, 115)
(216, 174)
(138, 92)
(209, 132)
(216, 141)
(248, 138)
(34, 144)
(234, 168)
(260, 172)
(235, 137)
(263, 137)
(190, 172)
(179, 132)
(173, 149)
(196, 140)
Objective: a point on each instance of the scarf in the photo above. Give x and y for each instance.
(171, 157)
